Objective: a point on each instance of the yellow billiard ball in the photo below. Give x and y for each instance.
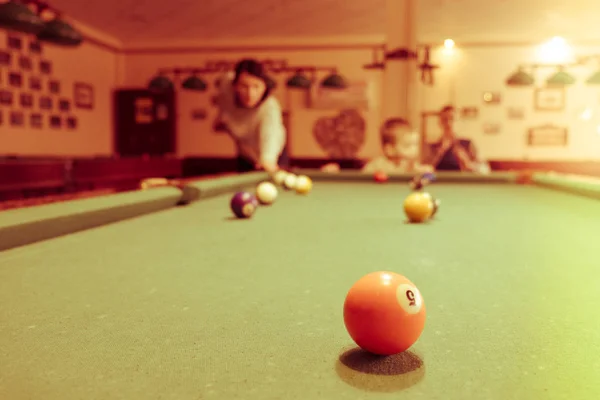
(303, 184)
(418, 207)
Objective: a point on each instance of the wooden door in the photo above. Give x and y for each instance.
(145, 123)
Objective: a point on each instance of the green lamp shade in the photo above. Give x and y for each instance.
(561, 78)
(18, 17)
(60, 33)
(194, 83)
(520, 78)
(334, 81)
(594, 79)
(299, 81)
(161, 83)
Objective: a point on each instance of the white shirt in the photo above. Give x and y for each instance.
(259, 132)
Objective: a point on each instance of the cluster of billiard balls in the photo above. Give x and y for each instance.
(244, 204)
(419, 206)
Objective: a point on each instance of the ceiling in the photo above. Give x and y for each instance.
(134, 21)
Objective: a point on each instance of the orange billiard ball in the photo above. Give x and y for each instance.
(384, 313)
(418, 206)
(380, 177)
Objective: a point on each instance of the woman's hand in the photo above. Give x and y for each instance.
(267, 166)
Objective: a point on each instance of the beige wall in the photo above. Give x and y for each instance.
(463, 78)
(91, 64)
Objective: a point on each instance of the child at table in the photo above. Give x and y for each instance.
(400, 147)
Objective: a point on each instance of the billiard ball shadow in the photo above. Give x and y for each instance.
(234, 218)
(370, 372)
(409, 222)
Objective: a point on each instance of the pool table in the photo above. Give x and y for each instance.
(162, 294)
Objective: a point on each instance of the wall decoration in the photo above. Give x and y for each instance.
(36, 120)
(5, 57)
(54, 87)
(199, 114)
(549, 98)
(83, 95)
(45, 67)
(492, 128)
(6, 98)
(357, 95)
(492, 98)
(64, 105)
(25, 63)
(15, 79)
(26, 100)
(72, 123)
(46, 103)
(17, 118)
(341, 136)
(35, 83)
(143, 110)
(35, 47)
(55, 122)
(516, 113)
(469, 112)
(14, 42)
(548, 136)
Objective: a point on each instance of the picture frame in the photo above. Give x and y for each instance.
(549, 98)
(548, 135)
(516, 113)
(469, 113)
(83, 95)
(492, 98)
(492, 128)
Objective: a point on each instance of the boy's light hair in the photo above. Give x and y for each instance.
(387, 136)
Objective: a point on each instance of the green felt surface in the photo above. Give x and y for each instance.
(188, 303)
(19, 227)
(581, 185)
(22, 226)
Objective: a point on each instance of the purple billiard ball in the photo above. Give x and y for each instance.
(428, 177)
(243, 204)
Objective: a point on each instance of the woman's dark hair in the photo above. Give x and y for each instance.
(255, 68)
(249, 66)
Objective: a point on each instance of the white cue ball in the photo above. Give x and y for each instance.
(266, 193)
(279, 177)
(290, 181)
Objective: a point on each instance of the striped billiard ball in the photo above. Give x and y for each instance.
(243, 204)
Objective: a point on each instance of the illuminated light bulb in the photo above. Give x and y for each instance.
(586, 115)
(555, 51)
(449, 43)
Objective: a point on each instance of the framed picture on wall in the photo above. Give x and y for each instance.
(83, 95)
(551, 98)
(548, 135)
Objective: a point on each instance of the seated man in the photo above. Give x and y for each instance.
(400, 148)
(452, 153)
